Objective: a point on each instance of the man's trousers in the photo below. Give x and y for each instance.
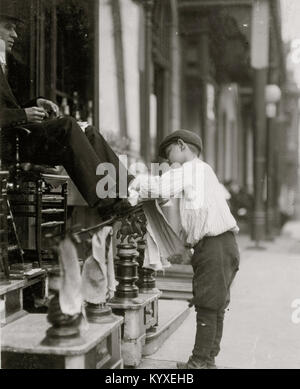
(62, 142)
(215, 262)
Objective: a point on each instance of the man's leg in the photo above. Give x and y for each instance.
(106, 154)
(62, 142)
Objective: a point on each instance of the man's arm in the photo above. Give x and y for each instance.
(31, 103)
(165, 186)
(12, 117)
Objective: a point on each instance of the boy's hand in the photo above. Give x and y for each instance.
(191, 303)
(133, 190)
(135, 184)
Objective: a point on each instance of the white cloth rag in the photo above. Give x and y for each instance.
(98, 274)
(70, 293)
(162, 241)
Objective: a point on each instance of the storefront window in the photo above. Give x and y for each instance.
(19, 75)
(75, 53)
(54, 54)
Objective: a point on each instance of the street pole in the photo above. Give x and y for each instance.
(260, 31)
(260, 81)
(271, 141)
(273, 79)
(204, 55)
(145, 139)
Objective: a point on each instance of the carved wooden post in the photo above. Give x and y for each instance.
(132, 228)
(126, 271)
(65, 328)
(146, 79)
(64, 192)
(99, 313)
(146, 281)
(38, 220)
(138, 309)
(141, 245)
(4, 270)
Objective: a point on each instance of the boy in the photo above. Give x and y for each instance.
(208, 227)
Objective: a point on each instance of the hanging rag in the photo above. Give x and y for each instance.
(98, 271)
(162, 241)
(70, 293)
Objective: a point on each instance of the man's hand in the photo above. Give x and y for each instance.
(48, 106)
(35, 114)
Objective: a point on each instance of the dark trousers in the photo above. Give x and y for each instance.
(62, 142)
(215, 262)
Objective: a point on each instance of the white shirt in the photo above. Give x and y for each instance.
(203, 207)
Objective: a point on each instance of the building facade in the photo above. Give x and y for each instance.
(143, 68)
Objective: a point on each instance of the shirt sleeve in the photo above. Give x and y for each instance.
(168, 185)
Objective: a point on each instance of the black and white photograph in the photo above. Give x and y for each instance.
(150, 187)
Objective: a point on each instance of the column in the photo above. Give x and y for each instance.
(174, 118)
(145, 138)
(204, 61)
(259, 61)
(260, 81)
(53, 44)
(119, 57)
(271, 142)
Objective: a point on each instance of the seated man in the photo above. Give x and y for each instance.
(53, 140)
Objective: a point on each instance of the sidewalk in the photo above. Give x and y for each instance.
(258, 329)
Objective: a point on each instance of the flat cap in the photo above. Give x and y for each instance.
(185, 135)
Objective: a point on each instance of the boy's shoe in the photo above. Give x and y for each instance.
(211, 364)
(192, 364)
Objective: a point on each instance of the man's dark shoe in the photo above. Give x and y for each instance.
(106, 203)
(122, 207)
(109, 208)
(105, 208)
(192, 364)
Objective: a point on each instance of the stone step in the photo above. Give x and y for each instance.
(171, 314)
(176, 282)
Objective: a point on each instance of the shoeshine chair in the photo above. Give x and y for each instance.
(33, 192)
